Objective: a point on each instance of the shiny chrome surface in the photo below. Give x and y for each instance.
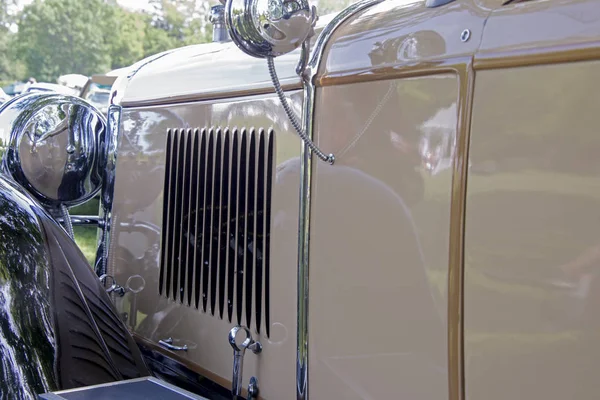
(326, 34)
(269, 28)
(85, 220)
(437, 3)
(330, 158)
(253, 389)
(49, 300)
(147, 388)
(302, 292)
(217, 19)
(54, 147)
(168, 343)
(465, 35)
(66, 218)
(238, 356)
(108, 183)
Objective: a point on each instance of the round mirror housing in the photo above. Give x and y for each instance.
(54, 144)
(269, 28)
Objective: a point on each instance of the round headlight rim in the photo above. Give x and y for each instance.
(11, 162)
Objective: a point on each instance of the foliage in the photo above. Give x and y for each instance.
(49, 38)
(177, 22)
(63, 36)
(125, 35)
(10, 67)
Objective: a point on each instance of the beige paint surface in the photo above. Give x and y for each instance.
(380, 222)
(136, 248)
(379, 240)
(532, 235)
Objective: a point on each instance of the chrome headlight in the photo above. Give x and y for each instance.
(269, 28)
(53, 146)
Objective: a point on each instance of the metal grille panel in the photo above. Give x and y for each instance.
(216, 226)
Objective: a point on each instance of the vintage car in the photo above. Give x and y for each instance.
(400, 200)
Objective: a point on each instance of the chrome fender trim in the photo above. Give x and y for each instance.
(309, 75)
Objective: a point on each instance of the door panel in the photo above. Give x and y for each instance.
(532, 235)
(379, 245)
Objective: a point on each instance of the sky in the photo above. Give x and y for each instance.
(131, 4)
(134, 4)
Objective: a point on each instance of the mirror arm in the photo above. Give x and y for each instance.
(290, 113)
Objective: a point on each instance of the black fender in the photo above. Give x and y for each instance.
(58, 328)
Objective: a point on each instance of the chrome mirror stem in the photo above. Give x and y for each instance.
(330, 158)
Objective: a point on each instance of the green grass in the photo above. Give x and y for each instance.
(85, 236)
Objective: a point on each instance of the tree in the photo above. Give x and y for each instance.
(125, 36)
(10, 67)
(57, 37)
(176, 23)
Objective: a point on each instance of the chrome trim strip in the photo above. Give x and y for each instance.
(327, 32)
(154, 380)
(303, 249)
(302, 301)
(83, 220)
(108, 187)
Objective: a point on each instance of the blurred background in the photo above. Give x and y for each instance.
(46, 39)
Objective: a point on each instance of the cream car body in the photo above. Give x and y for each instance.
(449, 253)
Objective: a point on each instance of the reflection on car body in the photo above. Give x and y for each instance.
(398, 200)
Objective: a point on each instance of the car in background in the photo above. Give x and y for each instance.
(75, 81)
(99, 98)
(3, 96)
(14, 88)
(50, 87)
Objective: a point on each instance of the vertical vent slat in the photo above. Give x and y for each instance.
(200, 202)
(215, 245)
(176, 256)
(260, 224)
(215, 215)
(241, 227)
(174, 219)
(206, 236)
(184, 220)
(223, 221)
(164, 264)
(267, 254)
(250, 225)
(233, 221)
(192, 219)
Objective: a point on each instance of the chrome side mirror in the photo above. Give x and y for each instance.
(269, 28)
(54, 144)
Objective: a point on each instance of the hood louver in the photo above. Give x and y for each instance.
(216, 222)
